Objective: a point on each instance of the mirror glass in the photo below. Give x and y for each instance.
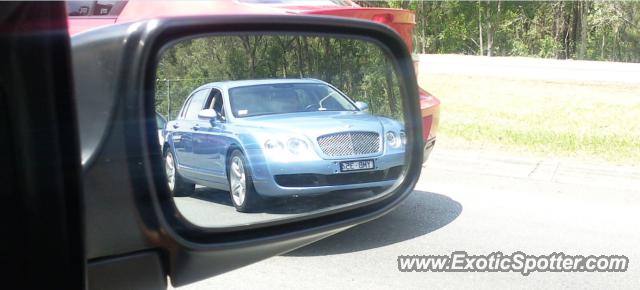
(263, 128)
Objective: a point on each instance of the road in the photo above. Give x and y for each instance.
(532, 68)
(213, 208)
(479, 202)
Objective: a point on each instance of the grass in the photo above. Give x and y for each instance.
(564, 119)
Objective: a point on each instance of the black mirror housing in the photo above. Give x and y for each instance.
(118, 127)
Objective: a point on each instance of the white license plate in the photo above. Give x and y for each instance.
(356, 165)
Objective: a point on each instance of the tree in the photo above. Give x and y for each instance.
(595, 30)
(357, 67)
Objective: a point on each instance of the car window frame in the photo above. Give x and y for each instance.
(186, 108)
(185, 105)
(212, 102)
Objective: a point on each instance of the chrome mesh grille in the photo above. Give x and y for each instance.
(349, 143)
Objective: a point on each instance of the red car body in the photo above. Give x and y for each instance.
(85, 15)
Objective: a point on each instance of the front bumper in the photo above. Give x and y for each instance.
(280, 178)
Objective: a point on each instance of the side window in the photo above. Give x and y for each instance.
(217, 102)
(95, 8)
(183, 110)
(196, 104)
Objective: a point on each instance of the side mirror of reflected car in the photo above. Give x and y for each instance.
(211, 115)
(208, 114)
(362, 106)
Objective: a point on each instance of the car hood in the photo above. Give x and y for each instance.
(314, 124)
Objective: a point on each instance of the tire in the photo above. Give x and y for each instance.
(241, 190)
(179, 187)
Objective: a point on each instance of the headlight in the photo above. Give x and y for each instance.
(273, 145)
(296, 146)
(281, 147)
(392, 139)
(403, 138)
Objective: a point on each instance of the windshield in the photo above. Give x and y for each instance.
(286, 98)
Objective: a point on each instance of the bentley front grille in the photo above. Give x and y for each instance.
(349, 143)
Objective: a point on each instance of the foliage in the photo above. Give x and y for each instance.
(358, 68)
(590, 30)
(589, 120)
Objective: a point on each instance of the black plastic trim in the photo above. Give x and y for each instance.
(140, 270)
(173, 30)
(194, 252)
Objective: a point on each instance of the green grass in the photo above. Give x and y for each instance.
(586, 121)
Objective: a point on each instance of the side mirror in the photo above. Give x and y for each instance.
(270, 145)
(211, 115)
(362, 106)
(208, 114)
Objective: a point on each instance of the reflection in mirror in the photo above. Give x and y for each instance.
(262, 128)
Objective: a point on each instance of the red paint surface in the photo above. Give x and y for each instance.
(402, 21)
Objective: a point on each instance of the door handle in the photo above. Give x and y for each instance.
(196, 127)
(175, 126)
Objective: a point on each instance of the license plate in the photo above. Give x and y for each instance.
(356, 165)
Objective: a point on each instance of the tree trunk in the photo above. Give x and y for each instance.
(326, 67)
(340, 72)
(575, 19)
(310, 63)
(388, 73)
(489, 40)
(285, 46)
(480, 28)
(169, 100)
(560, 30)
(493, 19)
(584, 26)
(299, 54)
(602, 47)
(251, 52)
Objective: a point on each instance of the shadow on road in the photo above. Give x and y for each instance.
(305, 204)
(212, 195)
(421, 213)
(289, 205)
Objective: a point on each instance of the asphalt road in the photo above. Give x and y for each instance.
(480, 203)
(213, 208)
